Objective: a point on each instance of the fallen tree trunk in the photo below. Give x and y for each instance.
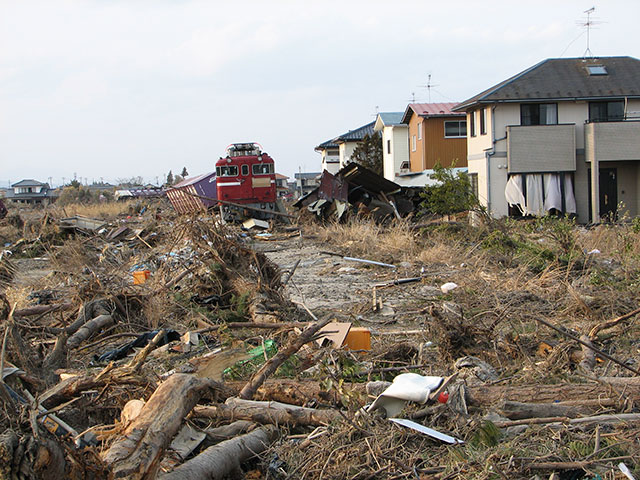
(40, 309)
(74, 386)
(300, 392)
(279, 358)
(222, 460)
(138, 452)
(483, 395)
(266, 413)
(88, 329)
(519, 410)
(225, 432)
(597, 419)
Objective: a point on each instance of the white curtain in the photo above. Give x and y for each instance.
(539, 199)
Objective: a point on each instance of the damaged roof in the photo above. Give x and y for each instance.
(566, 79)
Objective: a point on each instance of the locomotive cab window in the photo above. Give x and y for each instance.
(227, 171)
(245, 170)
(262, 168)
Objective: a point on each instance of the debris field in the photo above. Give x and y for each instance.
(137, 343)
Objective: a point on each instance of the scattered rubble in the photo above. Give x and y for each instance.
(180, 347)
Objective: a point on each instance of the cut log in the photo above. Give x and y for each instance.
(279, 358)
(266, 413)
(138, 452)
(222, 460)
(90, 328)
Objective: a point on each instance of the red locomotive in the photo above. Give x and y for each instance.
(246, 176)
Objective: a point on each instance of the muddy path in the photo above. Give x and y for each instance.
(328, 284)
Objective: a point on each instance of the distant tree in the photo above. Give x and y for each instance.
(451, 194)
(170, 178)
(368, 153)
(75, 183)
(184, 173)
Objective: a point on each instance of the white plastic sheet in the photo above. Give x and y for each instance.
(406, 387)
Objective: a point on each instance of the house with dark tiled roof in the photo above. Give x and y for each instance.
(436, 135)
(560, 136)
(341, 148)
(330, 152)
(395, 144)
(32, 192)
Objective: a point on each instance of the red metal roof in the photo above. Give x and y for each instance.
(433, 108)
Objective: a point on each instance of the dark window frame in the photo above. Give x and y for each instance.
(483, 121)
(608, 115)
(530, 114)
(460, 124)
(244, 170)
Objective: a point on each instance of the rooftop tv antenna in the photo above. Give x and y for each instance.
(429, 86)
(588, 24)
(413, 97)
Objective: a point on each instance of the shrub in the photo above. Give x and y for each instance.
(452, 193)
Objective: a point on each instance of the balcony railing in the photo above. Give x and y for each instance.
(541, 148)
(612, 141)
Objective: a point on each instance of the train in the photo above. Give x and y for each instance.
(243, 185)
(246, 177)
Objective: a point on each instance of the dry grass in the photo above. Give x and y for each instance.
(365, 238)
(104, 210)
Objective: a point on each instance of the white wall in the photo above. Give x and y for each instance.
(346, 149)
(330, 163)
(398, 135)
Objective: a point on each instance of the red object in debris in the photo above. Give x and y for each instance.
(443, 397)
(246, 176)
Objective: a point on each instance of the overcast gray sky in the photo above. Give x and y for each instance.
(124, 88)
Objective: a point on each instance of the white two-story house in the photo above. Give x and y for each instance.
(395, 143)
(561, 136)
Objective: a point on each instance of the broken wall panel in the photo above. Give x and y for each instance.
(194, 194)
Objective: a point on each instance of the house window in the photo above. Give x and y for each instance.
(420, 131)
(245, 170)
(262, 168)
(538, 114)
(455, 128)
(389, 147)
(473, 182)
(472, 123)
(606, 111)
(404, 166)
(333, 152)
(413, 143)
(483, 121)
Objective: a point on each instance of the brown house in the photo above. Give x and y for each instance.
(436, 135)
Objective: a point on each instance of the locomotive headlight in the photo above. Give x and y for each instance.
(228, 160)
(260, 158)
